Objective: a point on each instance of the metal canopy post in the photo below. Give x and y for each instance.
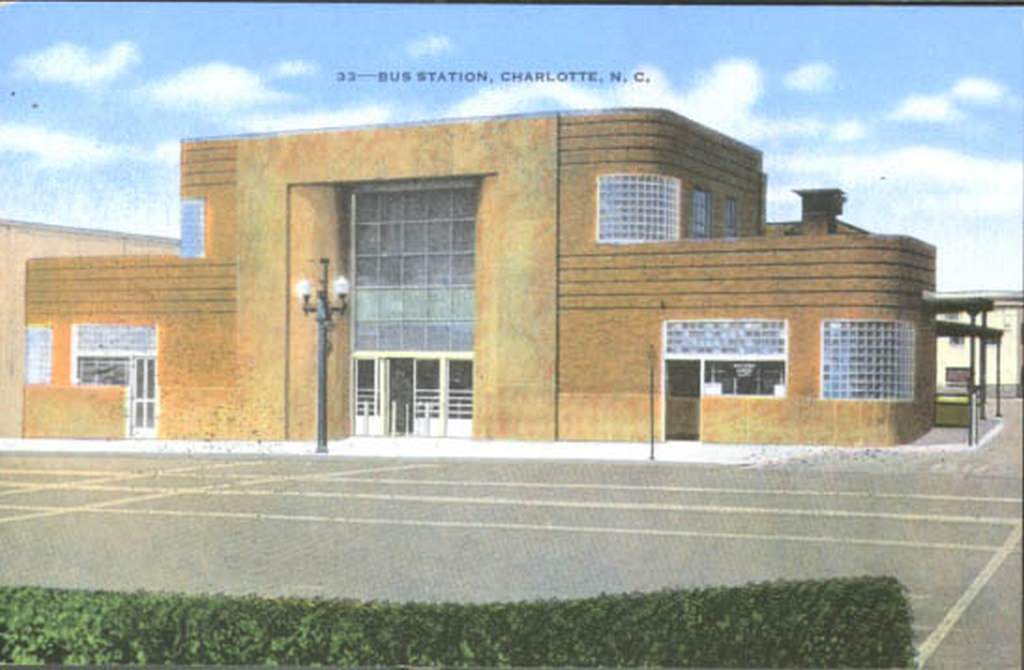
(984, 366)
(970, 381)
(999, 381)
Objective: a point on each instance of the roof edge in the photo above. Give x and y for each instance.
(90, 232)
(661, 111)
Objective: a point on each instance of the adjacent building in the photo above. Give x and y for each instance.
(953, 357)
(19, 242)
(566, 276)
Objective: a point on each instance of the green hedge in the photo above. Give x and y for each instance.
(853, 622)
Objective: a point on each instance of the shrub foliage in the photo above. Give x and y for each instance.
(850, 622)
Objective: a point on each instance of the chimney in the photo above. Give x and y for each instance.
(821, 210)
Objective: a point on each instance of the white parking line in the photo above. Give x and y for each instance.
(153, 493)
(933, 641)
(217, 490)
(689, 489)
(104, 508)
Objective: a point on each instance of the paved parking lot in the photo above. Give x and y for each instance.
(475, 530)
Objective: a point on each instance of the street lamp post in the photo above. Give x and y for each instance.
(325, 312)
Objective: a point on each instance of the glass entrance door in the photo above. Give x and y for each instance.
(401, 395)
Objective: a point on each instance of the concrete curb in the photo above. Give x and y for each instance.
(466, 449)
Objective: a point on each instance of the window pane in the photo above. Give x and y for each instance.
(366, 207)
(462, 303)
(390, 307)
(462, 236)
(438, 337)
(428, 374)
(439, 203)
(414, 270)
(462, 270)
(391, 238)
(440, 236)
(193, 228)
(366, 305)
(38, 355)
(462, 336)
(464, 203)
(366, 272)
(103, 338)
(439, 270)
(390, 271)
(367, 240)
(700, 222)
(414, 336)
(103, 371)
(390, 336)
(415, 237)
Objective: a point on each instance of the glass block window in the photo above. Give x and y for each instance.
(415, 275)
(700, 221)
(193, 228)
(867, 360)
(96, 338)
(635, 208)
(38, 354)
(731, 220)
(726, 338)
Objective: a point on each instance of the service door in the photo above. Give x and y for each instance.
(143, 397)
(682, 400)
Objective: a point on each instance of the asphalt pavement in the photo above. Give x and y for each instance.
(948, 525)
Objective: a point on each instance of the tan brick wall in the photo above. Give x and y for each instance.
(192, 305)
(613, 307)
(18, 243)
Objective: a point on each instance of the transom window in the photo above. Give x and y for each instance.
(700, 222)
(867, 360)
(634, 208)
(415, 251)
(726, 338)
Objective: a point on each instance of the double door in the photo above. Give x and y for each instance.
(399, 396)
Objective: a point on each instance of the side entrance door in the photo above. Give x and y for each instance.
(682, 400)
(143, 397)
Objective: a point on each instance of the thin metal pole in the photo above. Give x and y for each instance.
(999, 380)
(984, 366)
(650, 393)
(970, 382)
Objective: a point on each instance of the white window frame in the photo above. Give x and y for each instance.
(77, 352)
(913, 361)
(201, 204)
(753, 358)
(49, 353)
(672, 184)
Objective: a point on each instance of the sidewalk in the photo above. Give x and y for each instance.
(938, 440)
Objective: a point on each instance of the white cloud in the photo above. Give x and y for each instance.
(928, 108)
(948, 198)
(722, 97)
(321, 118)
(942, 107)
(810, 78)
(68, 63)
(295, 68)
(55, 149)
(215, 87)
(849, 131)
(978, 90)
(167, 153)
(431, 45)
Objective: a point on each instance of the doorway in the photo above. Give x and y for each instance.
(142, 415)
(682, 400)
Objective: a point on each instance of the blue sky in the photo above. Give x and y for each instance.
(916, 112)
